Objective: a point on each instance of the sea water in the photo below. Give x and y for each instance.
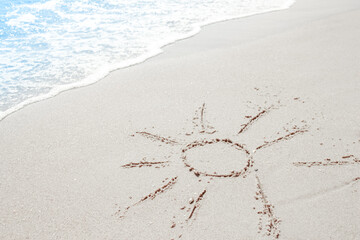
(48, 46)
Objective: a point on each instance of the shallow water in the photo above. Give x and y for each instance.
(48, 46)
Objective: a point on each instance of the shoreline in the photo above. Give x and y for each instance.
(104, 72)
(224, 135)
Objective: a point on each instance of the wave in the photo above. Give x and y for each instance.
(77, 73)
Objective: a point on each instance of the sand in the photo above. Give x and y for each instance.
(249, 130)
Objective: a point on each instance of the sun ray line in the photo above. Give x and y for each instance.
(263, 196)
(273, 221)
(197, 204)
(253, 119)
(145, 164)
(155, 137)
(283, 138)
(325, 164)
(150, 196)
(202, 117)
(200, 124)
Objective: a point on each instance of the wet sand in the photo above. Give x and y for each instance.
(249, 130)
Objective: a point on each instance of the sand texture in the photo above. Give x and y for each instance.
(249, 130)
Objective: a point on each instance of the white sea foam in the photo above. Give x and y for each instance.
(52, 46)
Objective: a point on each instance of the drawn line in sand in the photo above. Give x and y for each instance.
(200, 124)
(253, 119)
(204, 129)
(286, 137)
(155, 137)
(197, 204)
(146, 164)
(347, 160)
(150, 196)
(329, 162)
(201, 143)
(271, 227)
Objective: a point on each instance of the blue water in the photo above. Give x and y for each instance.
(48, 46)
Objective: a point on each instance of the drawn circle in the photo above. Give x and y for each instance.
(202, 143)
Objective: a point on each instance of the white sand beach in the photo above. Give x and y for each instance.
(248, 130)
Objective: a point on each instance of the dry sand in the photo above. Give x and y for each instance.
(256, 120)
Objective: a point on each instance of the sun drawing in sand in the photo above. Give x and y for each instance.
(268, 223)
